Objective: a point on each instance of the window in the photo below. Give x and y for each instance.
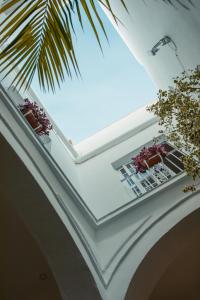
(141, 183)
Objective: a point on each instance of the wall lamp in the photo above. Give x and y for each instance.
(162, 42)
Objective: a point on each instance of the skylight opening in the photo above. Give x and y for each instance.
(113, 85)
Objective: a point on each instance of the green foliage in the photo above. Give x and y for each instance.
(179, 111)
(38, 37)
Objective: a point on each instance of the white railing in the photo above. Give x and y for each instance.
(142, 183)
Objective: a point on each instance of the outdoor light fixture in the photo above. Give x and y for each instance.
(166, 40)
(162, 42)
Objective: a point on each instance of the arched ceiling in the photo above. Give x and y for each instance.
(25, 274)
(181, 280)
(171, 269)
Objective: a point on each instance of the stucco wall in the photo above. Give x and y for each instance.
(56, 144)
(100, 182)
(148, 22)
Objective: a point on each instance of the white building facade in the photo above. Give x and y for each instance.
(149, 22)
(89, 225)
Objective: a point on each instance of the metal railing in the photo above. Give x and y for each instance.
(142, 183)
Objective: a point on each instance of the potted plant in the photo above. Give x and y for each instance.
(36, 117)
(148, 157)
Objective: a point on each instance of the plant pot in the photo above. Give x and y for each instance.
(32, 120)
(150, 162)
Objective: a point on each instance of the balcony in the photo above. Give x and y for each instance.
(140, 183)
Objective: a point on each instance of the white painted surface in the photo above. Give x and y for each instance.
(114, 131)
(58, 146)
(100, 182)
(148, 22)
(113, 250)
(97, 182)
(95, 179)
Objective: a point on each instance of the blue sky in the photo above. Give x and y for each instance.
(113, 84)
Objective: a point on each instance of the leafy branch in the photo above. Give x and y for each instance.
(179, 113)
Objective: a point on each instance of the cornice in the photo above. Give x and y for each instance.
(116, 141)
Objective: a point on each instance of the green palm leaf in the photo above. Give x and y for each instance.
(180, 2)
(38, 35)
(39, 38)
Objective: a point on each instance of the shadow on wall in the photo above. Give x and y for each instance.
(25, 273)
(171, 270)
(39, 259)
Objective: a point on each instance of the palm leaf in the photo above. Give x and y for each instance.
(180, 2)
(38, 35)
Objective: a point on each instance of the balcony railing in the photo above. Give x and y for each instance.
(142, 183)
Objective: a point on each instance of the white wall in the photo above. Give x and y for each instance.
(57, 145)
(100, 182)
(148, 22)
(114, 250)
(97, 182)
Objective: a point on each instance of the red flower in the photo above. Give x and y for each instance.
(38, 114)
(145, 154)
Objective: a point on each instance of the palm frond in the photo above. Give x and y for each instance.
(186, 4)
(38, 35)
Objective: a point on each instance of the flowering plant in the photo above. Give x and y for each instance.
(140, 160)
(39, 116)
